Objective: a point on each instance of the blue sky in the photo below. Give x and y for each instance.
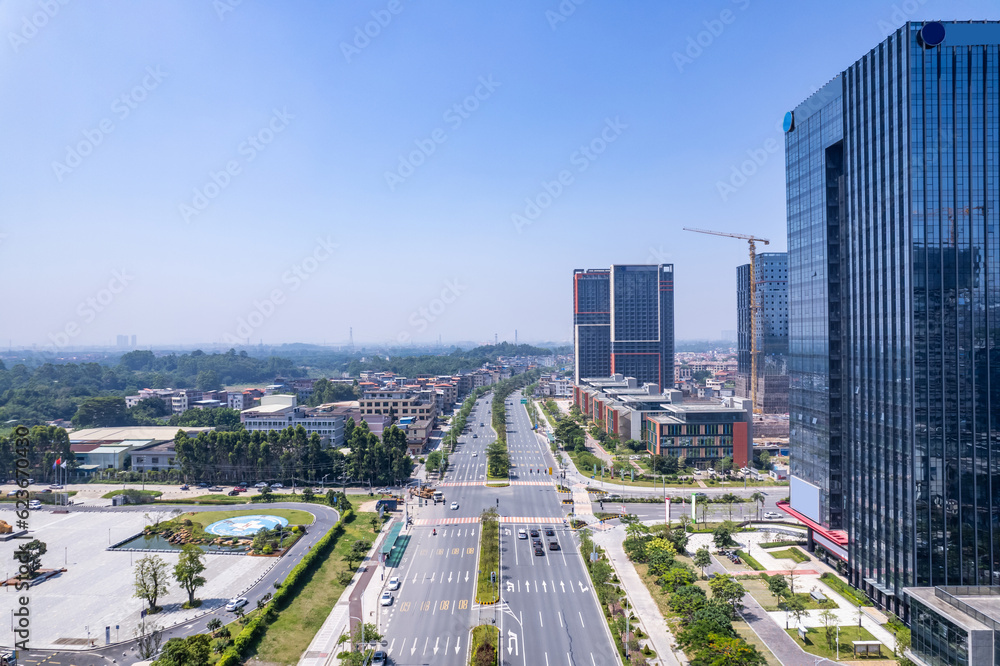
(211, 172)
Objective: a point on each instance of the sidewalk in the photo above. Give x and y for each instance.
(660, 638)
(323, 648)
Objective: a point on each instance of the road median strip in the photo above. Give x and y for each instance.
(488, 575)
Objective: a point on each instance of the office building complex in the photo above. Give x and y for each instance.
(893, 177)
(771, 327)
(624, 323)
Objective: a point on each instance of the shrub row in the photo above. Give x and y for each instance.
(253, 629)
(782, 544)
(750, 561)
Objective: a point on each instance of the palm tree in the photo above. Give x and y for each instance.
(758, 499)
(729, 499)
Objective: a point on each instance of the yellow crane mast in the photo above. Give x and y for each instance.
(754, 351)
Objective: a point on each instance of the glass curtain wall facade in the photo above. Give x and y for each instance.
(592, 323)
(642, 323)
(905, 194)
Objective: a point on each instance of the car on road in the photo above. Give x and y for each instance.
(549, 531)
(553, 545)
(203, 485)
(522, 533)
(185, 487)
(474, 436)
(240, 489)
(238, 602)
(454, 505)
(394, 583)
(259, 484)
(233, 492)
(700, 495)
(771, 515)
(539, 550)
(534, 533)
(45, 490)
(215, 489)
(380, 658)
(34, 504)
(386, 599)
(277, 485)
(55, 486)
(475, 455)
(537, 543)
(12, 493)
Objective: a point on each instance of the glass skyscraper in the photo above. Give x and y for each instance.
(624, 323)
(893, 188)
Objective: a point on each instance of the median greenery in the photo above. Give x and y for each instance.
(852, 594)
(488, 580)
(485, 642)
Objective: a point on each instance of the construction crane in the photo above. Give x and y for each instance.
(754, 307)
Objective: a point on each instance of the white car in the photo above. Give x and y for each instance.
(454, 505)
(386, 599)
(259, 485)
(34, 504)
(522, 533)
(277, 485)
(772, 514)
(394, 583)
(238, 602)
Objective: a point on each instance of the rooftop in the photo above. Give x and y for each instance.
(121, 434)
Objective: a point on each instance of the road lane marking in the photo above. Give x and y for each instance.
(561, 619)
(581, 620)
(540, 623)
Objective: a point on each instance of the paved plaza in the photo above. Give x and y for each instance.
(96, 590)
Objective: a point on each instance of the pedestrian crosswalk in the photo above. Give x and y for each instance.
(453, 484)
(538, 520)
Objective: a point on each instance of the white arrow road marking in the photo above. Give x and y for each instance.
(458, 642)
(582, 588)
(436, 641)
(527, 586)
(414, 647)
(510, 586)
(563, 586)
(511, 640)
(466, 576)
(414, 578)
(449, 576)
(544, 587)
(391, 644)
(435, 573)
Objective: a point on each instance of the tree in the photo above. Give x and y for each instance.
(192, 651)
(208, 380)
(794, 607)
(101, 412)
(829, 625)
(730, 651)
(702, 558)
(758, 499)
(331, 497)
(151, 580)
(433, 461)
(365, 633)
(375, 524)
(308, 494)
(765, 461)
(357, 552)
(724, 465)
(30, 556)
(188, 571)
(214, 625)
(687, 600)
(723, 536)
(148, 638)
(266, 494)
(729, 499)
(728, 589)
(777, 585)
(676, 576)
(497, 459)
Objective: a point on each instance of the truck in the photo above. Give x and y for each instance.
(438, 496)
(8, 658)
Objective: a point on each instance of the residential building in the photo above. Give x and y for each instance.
(892, 170)
(624, 322)
(399, 403)
(771, 327)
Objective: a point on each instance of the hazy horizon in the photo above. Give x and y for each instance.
(232, 172)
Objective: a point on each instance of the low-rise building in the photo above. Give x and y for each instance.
(154, 457)
(279, 411)
(700, 433)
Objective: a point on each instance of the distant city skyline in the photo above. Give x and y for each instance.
(187, 173)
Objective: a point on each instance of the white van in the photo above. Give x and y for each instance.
(34, 504)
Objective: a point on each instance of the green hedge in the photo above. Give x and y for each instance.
(782, 544)
(751, 562)
(251, 632)
(852, 594)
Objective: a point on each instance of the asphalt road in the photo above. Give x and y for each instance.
(547, 612)
(124, 652)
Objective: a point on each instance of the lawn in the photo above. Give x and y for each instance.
(154, 493)
(790, 554)
(293, 516)
(287, 638)
(852, 594)
(816, 641)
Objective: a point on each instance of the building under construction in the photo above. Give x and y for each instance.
(771, 328)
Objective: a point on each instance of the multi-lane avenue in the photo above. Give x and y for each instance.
(547, 613)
